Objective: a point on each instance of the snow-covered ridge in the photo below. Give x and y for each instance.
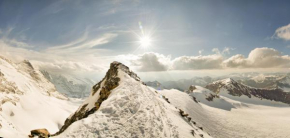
(122, 106)
(28, 100)
(238, 120)
(100, 92)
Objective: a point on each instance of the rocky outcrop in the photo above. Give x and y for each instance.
(41, 133)
(191, 89)
(210, 97)
(103, 88)
(7, 86)
(28, 67)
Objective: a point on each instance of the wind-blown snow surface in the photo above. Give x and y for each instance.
(248, 120)
(132, 110)
(29, 101)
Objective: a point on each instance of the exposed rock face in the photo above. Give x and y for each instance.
(104, 87)
(7, 86)
(41, 133)
(191, 89)
(208, 97)
(28, 67)
(237, 89)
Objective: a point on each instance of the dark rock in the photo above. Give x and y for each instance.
(191, 89)
(192, 132)
(41, 133)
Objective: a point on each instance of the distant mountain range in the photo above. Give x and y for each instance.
(256, 80)
(69, 85)
(234, 90)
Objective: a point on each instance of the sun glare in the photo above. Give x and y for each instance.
(145, 41)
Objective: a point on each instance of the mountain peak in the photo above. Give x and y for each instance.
(100, 92)
(226, 81)
(118, 106)
(229, 80)
(111, 79)
(117, 65)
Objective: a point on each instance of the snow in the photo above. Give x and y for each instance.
(132, 110)
(201, 94)
(31, 101)
(28, 101)
(239, 122)
(36, 111)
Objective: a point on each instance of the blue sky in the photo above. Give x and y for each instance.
(76, 31)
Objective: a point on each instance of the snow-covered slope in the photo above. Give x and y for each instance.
(122, 106)
(231, 89)
(212, 99)
(251, 121)
(28, 101)
(69, 85)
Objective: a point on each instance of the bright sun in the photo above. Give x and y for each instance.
(145, 41)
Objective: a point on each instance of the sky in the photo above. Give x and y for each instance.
(164, 39)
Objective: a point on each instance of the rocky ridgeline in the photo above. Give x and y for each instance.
(105, 86)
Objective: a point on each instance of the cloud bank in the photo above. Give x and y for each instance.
(151, 62)
(258, 58)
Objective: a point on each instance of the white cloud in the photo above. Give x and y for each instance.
(151, 62)
(260, 58)
(4, 38)
(197, 62)
(82, 44)
(216, 51)
(16, 43)
(257, 58)
(283, 32)
(227, 50)
(236, 61)
(200, 52)
(67, 66)
(79, 62)
(81, 56)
